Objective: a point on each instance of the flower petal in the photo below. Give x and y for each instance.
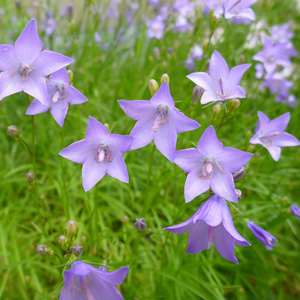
(36, 107)
(137, 109)
(182, 227)
(59, 111)
(198, 238)
(61, 75)
(75, 97)
(209, 144)
(96, 130)
(182, 122)
(163, 95)
(120, 143)
(28, 45)
(118, 169)
(285, 140)
(218, 67)
(195, 186)
(279, 124)
(275, 152)
(235, 76)
(9, 85)
(8, 61)
(115, 278)
(223, 185)
(188, 159)
(203, 80)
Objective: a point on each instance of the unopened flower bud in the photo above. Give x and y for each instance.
(238, 175)
(234, 105)
(140, 224)
(76, 249)
(153, 86)
(63, 242)
(242, 59)
(70, 75)
(43, 250)
(30, 177)
(197, 92)
(295, 210)
(83, 239)
(126, 219)
(238, 193)
(216, 111)
(13, 131)
(165, 77)
(71, 229)
(107, 126)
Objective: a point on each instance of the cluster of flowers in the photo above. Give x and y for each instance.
(276, 63)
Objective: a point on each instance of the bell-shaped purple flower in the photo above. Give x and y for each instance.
(262, 235)
(158, 120)
(100, 153)
(239, 10)
(61, 94)
(212, 223)
(270, 134)
(295, 210)
(220, 84)
(85, 282)
(25, 65)
(211, 165)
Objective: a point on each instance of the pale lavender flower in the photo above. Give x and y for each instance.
(85, 282)
(270, 134)
(190, 64)
(272, 55)
(197, 52)
(154, 3)
(220, 84)
(182, 25)
(281, 33)
(212, 223)
(292, 101)
(216, 5)
(295, 210)
(100, 153)
(48, 24)
(262, 235)
(156, 28)
(211, 165)
(158, 120)
(60, 95)
(183, 7)
(25, 65)
(97, 37)
(259, 71)
(239, 10)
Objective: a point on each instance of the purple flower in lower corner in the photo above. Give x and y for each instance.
(157, 119)
(220, 84)
(262, 235)
(101, 152)
(295, 210)
(25, 65)
(270, 134)
(211, 165)
(85, 282)
(61, 94)
(212, 223)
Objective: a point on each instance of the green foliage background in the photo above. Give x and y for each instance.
(159, 267)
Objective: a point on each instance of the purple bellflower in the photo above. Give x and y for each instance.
(48, 24)
(281, 33)
(158, 120)
(220, 84)
(270, 134)
(216, 5)
(262, 235)
(212, 223)
(239, 10)
(61, 94)
(100, 153)
(25, 65)
(85, 282)
(211, 165)
(273, 55)
(156, 28)
(295, 210)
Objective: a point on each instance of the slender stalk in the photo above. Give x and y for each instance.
(26, 146)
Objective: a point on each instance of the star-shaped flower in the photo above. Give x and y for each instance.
(220, 84)
(25, 65)
(61, 94)
(210, 165)
(158, 119)
(100, 153)
(270, 134)
(85, 282)
(212, 223)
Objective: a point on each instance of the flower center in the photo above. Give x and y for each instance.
(24, 70)
(221, 93)
(61, 92)
(270, 59)
(267, 139)
(208, 168)
(162, 116)
(103, 153)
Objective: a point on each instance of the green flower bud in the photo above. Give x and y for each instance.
(13, 131)
(107, 126)
(165, 77)
(197, 92)
(71, 76)
(63, 242)
(234, 105)
(153, 86)
(71, 229)
(216, 111)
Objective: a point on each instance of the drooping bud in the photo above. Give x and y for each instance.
(238, 175)
(71, 229)
(43, 250)
(165, 77)
(13, 131)
(76, 249)
(71, 76)
(140, 224)
(63, 242)
(234, 105)
(197, 92)
(30, 177)
(153, 86)
(216, 111)
(238, 193)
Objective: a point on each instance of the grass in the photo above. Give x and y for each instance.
(33, 214)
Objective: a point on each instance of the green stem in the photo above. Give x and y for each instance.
(26, 146)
